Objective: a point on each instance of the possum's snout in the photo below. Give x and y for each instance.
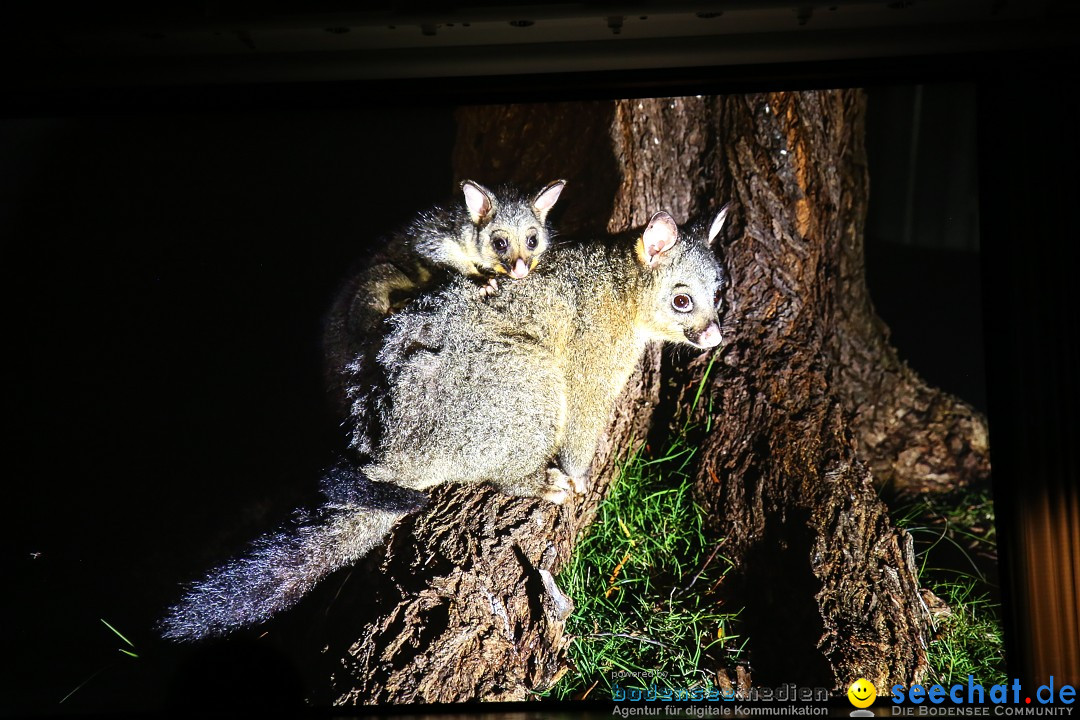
(519, 270)
(707, 338)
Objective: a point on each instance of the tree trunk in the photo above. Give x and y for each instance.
(810, 403)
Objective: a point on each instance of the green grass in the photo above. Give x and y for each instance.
(128, 653)
(971, 641)
(643, 584)
(955, 542)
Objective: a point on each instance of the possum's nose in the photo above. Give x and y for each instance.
(519, 270)
(710, 336)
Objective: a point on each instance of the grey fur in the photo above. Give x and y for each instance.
(282, 566)
(495, 389)
(512, 390)
(445, 240)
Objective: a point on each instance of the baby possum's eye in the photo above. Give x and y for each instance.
(532, 240)
(500, 244)
(682, 303)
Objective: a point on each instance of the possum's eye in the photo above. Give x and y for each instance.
(682, 303)
(500, 243)
(718, 299)
(531, 240)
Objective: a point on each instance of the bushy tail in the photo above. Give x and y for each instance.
(282, 566)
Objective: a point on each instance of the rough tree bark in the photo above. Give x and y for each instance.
(810, 405)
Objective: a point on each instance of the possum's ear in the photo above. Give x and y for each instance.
(479, 200)
(718, 224)
(660, 235)
(545, 199)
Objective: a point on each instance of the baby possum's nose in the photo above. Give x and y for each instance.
(519, 270)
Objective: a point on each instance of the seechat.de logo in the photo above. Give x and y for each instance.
(862, 694)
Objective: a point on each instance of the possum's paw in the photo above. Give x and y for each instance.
(560, 485)
(490, 288)
(579, 484)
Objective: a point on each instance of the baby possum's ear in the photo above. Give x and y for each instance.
(479, 200)
(718, 224)
(546, 198)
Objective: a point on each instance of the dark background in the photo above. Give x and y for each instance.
(169, 250)
(166, 277)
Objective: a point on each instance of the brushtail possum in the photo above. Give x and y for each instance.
(513, 390)
(486, 235)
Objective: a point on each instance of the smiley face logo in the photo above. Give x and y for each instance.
(862, 693)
